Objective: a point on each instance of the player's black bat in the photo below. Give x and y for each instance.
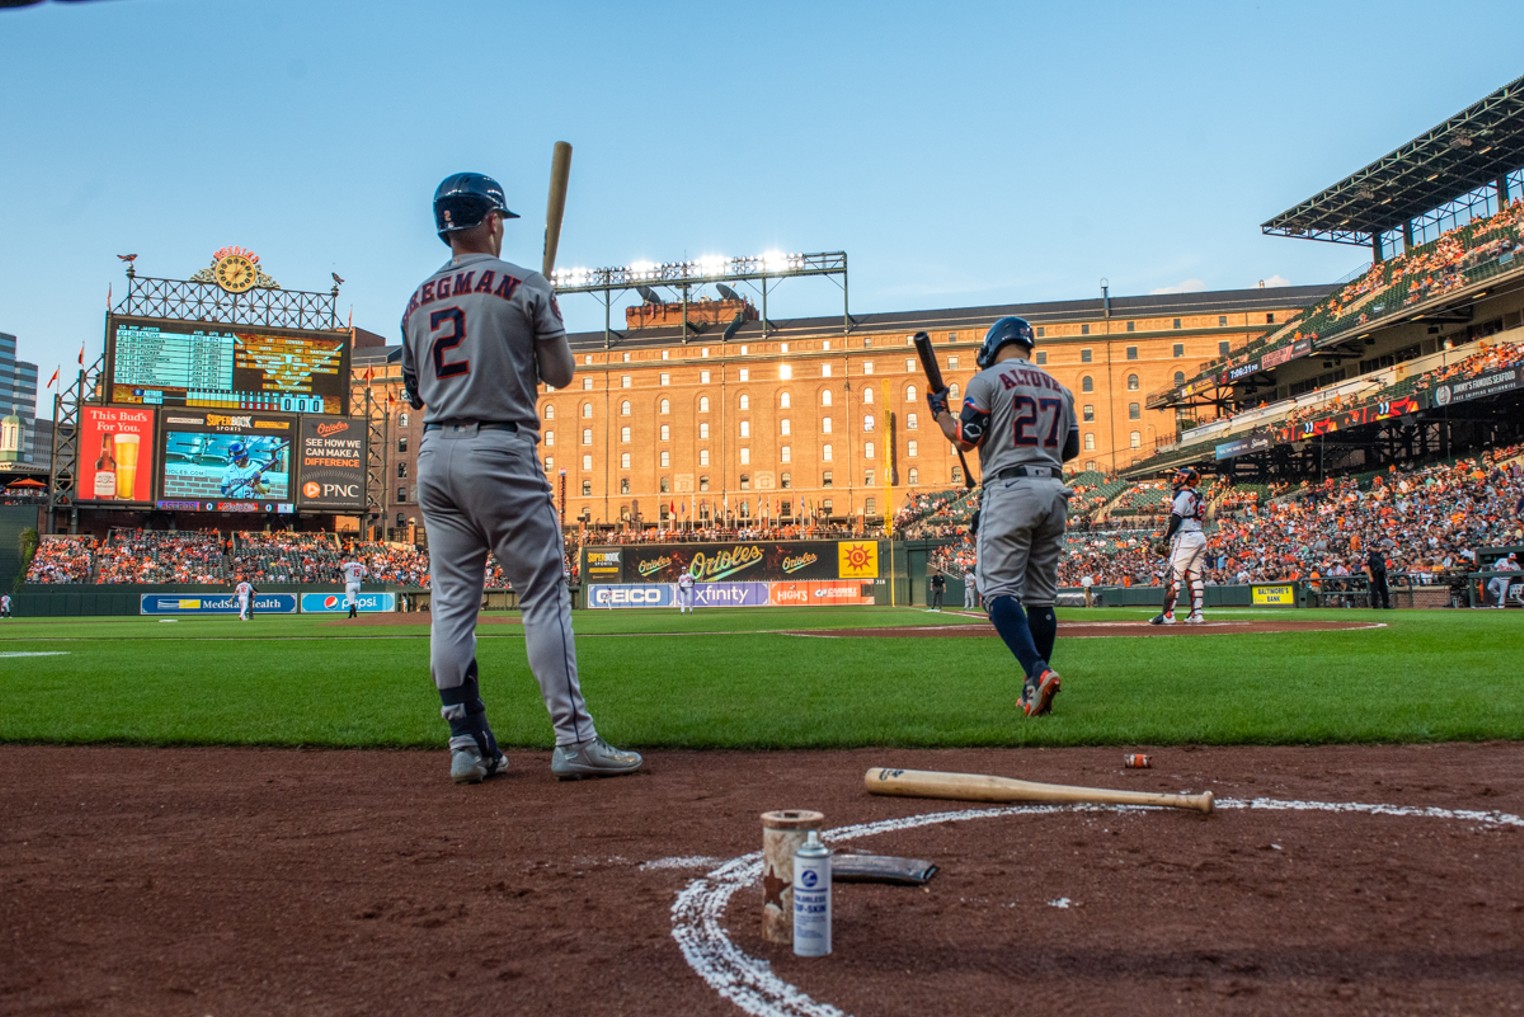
(933, 373)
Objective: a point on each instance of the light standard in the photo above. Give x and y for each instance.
(1111, 405)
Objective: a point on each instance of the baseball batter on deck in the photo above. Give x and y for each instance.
(1022, 422)
(479, 336)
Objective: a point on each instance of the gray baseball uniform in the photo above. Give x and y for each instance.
(1022, 418)
(469, 343)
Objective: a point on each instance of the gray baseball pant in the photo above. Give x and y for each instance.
(483, 488)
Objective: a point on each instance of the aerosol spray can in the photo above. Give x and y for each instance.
(812, 898)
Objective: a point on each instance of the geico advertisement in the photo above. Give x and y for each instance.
(631, 595)
(331, 463)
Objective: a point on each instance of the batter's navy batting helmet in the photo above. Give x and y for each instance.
(463, 200)
(238, 450)
(1002, 333)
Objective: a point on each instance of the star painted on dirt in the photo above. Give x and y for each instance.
(772, 889)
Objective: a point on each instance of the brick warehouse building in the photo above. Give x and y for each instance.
(800, 418)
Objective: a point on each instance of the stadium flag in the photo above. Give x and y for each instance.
(81, 354)
(53, 380)
(370, 372)
(108, 296)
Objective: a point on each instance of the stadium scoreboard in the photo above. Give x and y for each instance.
(164, 363)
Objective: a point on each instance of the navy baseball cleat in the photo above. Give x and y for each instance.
(468, 766)
(596, 758)
(1037, 695)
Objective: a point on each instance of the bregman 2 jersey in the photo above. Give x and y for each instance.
(469, 337)
(1018, 415)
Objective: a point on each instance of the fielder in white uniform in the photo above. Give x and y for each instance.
(354, 572)
(1497, 586)
(1186, 551)
(245, 594)
(479, 337)
(685, 593)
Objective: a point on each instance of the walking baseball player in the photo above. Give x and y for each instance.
(685, 593)
(244, 592)
(1022, 422)
(479, 336)
(1184, 545)
(354, 572)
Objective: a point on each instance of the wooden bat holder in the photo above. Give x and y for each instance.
(782, 834)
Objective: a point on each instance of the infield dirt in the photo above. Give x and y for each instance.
(235, 881)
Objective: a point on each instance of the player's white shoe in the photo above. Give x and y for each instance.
(1194, 619)
(1162, 619)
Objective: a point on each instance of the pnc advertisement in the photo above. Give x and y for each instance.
(331, 463)
(116, 454)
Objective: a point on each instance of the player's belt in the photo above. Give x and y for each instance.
(480, 425)
(1025, 471)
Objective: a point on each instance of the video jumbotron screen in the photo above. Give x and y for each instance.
(176, 363)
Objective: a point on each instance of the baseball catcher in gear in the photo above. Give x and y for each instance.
(1184, 545)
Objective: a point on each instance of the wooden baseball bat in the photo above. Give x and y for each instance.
(933, 372)
(555, 206)
(977, 787)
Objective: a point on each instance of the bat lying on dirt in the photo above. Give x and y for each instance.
(976, 787)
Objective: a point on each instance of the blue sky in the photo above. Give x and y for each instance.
(961, 154)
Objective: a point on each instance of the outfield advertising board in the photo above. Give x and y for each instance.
(330, 603)
(803, 593)
(213, 603)
(1278, 595)
(116, 454)
(618, 595)
(764, 561)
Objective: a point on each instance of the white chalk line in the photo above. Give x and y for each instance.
(39, 653)
(749, 983)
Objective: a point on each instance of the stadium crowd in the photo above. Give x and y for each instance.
(160, 556)
(1427, 520)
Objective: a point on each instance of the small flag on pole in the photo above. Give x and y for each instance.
(81, 354)
(53, 380)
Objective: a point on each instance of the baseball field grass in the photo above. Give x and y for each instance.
(769, 678)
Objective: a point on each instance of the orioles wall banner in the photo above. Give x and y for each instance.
(857, 559)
